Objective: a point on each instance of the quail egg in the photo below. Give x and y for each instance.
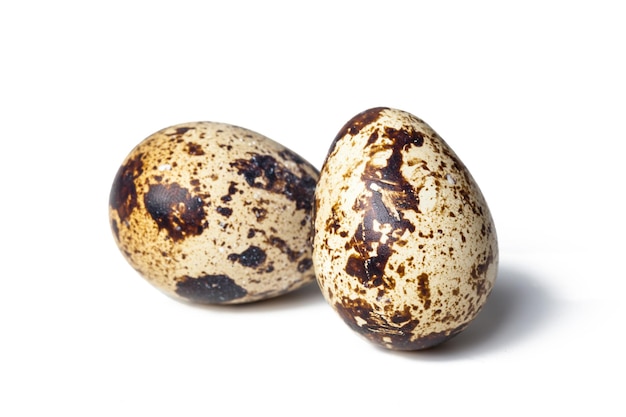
(213, 213)
(405, 248)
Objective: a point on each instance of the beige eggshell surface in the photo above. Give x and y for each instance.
(216, 214)
(405, 248)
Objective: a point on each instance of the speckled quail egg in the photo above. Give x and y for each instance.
(216, 214)
(405, 248)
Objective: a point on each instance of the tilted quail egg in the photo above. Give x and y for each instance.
(214, 213)
(405, 248)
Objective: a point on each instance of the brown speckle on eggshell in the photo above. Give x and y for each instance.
(405, 249)
(216, 214)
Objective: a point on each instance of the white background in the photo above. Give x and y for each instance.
(531, 95)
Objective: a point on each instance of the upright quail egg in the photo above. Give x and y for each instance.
(214, 213)
(405, 248)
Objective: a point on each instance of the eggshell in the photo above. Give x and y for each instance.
(405, 248)
(214, 213)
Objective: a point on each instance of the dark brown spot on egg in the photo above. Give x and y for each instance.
(224, 211)
(181, 131)
(281, 245)
(209, 289)
(123, 196)
(194, 149)
(116, 230)
(333, 223)
(265, 172)
(259, 213)
(356, 267)
(196, 184)
(358, 122)
(373, 138)
(423, 290)
(404, 138)
(305, 264)
(251, 257)
(176, 210)
(402, 316)
(232, 190)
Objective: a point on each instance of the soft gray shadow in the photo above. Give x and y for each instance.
(517, 307)
(306, 295)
